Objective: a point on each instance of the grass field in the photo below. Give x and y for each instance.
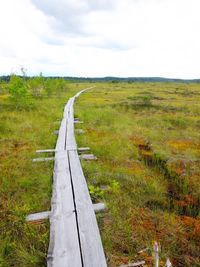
(146, 137)
(25, 187)
(147, 140)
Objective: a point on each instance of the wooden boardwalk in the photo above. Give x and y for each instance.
(74, 235)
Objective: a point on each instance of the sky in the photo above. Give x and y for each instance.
(98, 38)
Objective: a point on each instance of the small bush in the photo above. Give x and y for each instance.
(114, 186)
(36, 85)
(142, 101)
(95, 192)
(19, 93)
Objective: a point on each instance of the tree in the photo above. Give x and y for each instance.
(36, 85)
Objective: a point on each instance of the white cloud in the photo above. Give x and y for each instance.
(101, 38)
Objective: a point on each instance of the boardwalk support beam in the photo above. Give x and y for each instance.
(43, 159)
(38, 216)
(87, 157)
(99, 207)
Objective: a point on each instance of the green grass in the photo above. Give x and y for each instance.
(25, 187)
(146, 137)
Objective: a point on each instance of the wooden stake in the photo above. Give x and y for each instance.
(156, 254)
(168, 263)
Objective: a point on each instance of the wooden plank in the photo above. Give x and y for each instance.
(80, 131)
(135, 264)
(54, 150)
(56, 132)
(83, 149)
(78, 122)
(92, 250)
(87, 157)
(43, 159)
(38, 216)
(74, 234)
(90, 240)
(99, 207)
(64, 249)
(70, 138)
(71, 148)
(60, 145)
(45, 151)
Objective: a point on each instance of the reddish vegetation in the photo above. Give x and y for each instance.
(192, 228)
(134, 166)
(185, 230)
(97, 133)
(144, 147)
(13, 148)
(178, 146)
(138, 140)
(183, 179)
(183, 175)
(184, 188)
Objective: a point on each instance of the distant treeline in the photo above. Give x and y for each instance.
(116, 79)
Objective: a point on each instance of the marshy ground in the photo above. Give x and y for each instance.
(146, 137)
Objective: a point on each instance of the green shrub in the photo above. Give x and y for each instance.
(143, 101)
(36, 85)
(19, 93)
(95, 192)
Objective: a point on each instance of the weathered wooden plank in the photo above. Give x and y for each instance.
(87, 157)
(80, 131)
(90, 240)
(78, 122)
(64, 249)
(60, 145)
(74, 234)
(45, 150)
(134, 264)
(92, 250)
(83, 149)
(38, 216)
(99, 207)
(54, 150)
(70, 138)
(43, 159)
(56, 132)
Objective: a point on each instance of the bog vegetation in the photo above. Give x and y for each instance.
(30, 110)
(146, 138)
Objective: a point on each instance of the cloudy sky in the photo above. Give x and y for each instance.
(101, 37)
